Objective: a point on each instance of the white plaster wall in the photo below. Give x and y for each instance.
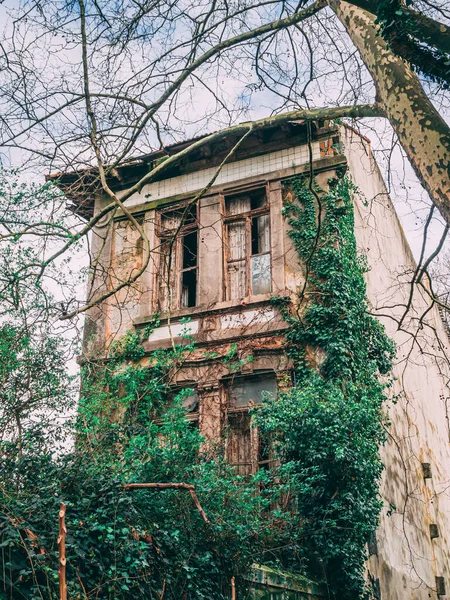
(249, 167)
(408, 559)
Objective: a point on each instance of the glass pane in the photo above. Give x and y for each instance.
(261, 274)
(244, 390)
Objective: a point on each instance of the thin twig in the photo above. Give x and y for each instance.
(169, 486)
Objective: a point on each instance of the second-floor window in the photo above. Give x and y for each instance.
(178, 265)
(247, 244)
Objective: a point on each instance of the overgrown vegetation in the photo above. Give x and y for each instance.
(403, 30)
(312, 514)
(129, 544)
(330, 426)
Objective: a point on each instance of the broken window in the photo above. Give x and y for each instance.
(248, 391)
(247, 239)
(244, 449)
(178, 271)
(330, 147)
(189, 401)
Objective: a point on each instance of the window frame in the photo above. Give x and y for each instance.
(234, 412)
(164, 237)
(192, 417)
(247, 218)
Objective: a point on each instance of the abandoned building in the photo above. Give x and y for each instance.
(215, 264)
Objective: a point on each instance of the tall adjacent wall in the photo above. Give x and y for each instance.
(406, 558)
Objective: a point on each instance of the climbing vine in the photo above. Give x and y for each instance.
(328, 428)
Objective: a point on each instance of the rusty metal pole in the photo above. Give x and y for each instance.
(233, 589)
(62, 552)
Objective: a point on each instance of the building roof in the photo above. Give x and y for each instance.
(82, 186)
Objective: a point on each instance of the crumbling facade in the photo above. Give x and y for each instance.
(215, 264)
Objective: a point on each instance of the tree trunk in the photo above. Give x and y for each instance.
(422, 132)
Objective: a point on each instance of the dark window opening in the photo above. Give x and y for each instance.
(265, 458)
(434, 531)
(189, 289)
(179, 258)
(255, 237)
(189, 271)
(260, 235)
(190, 250)
(440, 586)
(258, 199)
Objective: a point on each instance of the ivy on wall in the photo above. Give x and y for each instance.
(328, 428)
